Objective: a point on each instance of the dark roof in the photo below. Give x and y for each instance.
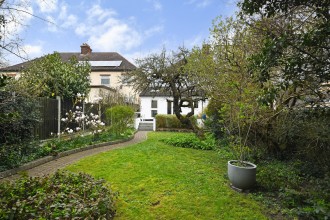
(94, 56)
(152, 93)
(149, 92)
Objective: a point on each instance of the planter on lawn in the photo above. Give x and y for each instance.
(242, 177)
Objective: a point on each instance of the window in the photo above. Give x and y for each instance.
(153, 113)
(195, 104)
(169, 107)
(153, 103)
(105, 80)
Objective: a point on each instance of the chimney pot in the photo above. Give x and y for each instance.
(85, 49)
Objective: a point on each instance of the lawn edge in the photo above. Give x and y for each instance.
(46, 159)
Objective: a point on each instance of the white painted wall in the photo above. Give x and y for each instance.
(145, 106)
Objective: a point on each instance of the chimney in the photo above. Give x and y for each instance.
(85, 49)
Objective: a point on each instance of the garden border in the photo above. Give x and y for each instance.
(47, 159)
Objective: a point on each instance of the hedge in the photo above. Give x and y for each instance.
(170, 122)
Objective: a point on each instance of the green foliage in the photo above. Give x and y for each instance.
(3, 81)
(19, 117)
(17, 154)
(271, 8)
(230, 85)
(190, 140)
(171, 122)
(120, 117)
(274, 175)
(63, 195)
(296, 133)
(55, 146)
(293, 63)
(224, 151)
(14, 155)
(25, 116)
(252, 99)
(285, 188)
(49, 76)
(4, 116)
(307, 134)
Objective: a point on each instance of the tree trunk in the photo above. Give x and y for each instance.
(186, 120)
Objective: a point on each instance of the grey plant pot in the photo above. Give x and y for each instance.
(242, 177)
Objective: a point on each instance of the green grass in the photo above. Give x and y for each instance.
(159, 181)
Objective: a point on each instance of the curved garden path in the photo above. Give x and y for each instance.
(59, 163)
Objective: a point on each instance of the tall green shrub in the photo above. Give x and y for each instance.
(297, 133)
(49, 76)
(17, 131)
(120, 117)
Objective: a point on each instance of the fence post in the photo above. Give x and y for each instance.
(154, 124)
(83, 123)
(58, 116)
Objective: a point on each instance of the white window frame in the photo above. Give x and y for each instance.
(105, 77)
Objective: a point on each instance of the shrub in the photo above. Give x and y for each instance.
(55, 146)
(14, 156)
(287, 190)
(189, 140)
(170, 122)
(121, 118)
(297, 133)
(20, 127)
(61, 196)
(16, 130)
(274, 175)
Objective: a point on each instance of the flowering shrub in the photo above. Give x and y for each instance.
(80, 119)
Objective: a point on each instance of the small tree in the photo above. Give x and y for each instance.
(49, 76)
(222, 69)
(120, 117)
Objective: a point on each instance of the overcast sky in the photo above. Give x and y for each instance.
(133, 28)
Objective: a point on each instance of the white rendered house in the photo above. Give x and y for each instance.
(152, 104)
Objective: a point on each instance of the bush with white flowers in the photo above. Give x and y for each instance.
(78, 117)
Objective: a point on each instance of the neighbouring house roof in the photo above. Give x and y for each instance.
(100, 61)
(152, 93)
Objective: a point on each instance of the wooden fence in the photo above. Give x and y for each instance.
(49, 118)
(49, 115)
(48, 108)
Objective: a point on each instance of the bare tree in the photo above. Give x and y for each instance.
(165, 73)
(12, 18)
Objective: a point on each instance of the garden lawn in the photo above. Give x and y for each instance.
(159, 181)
